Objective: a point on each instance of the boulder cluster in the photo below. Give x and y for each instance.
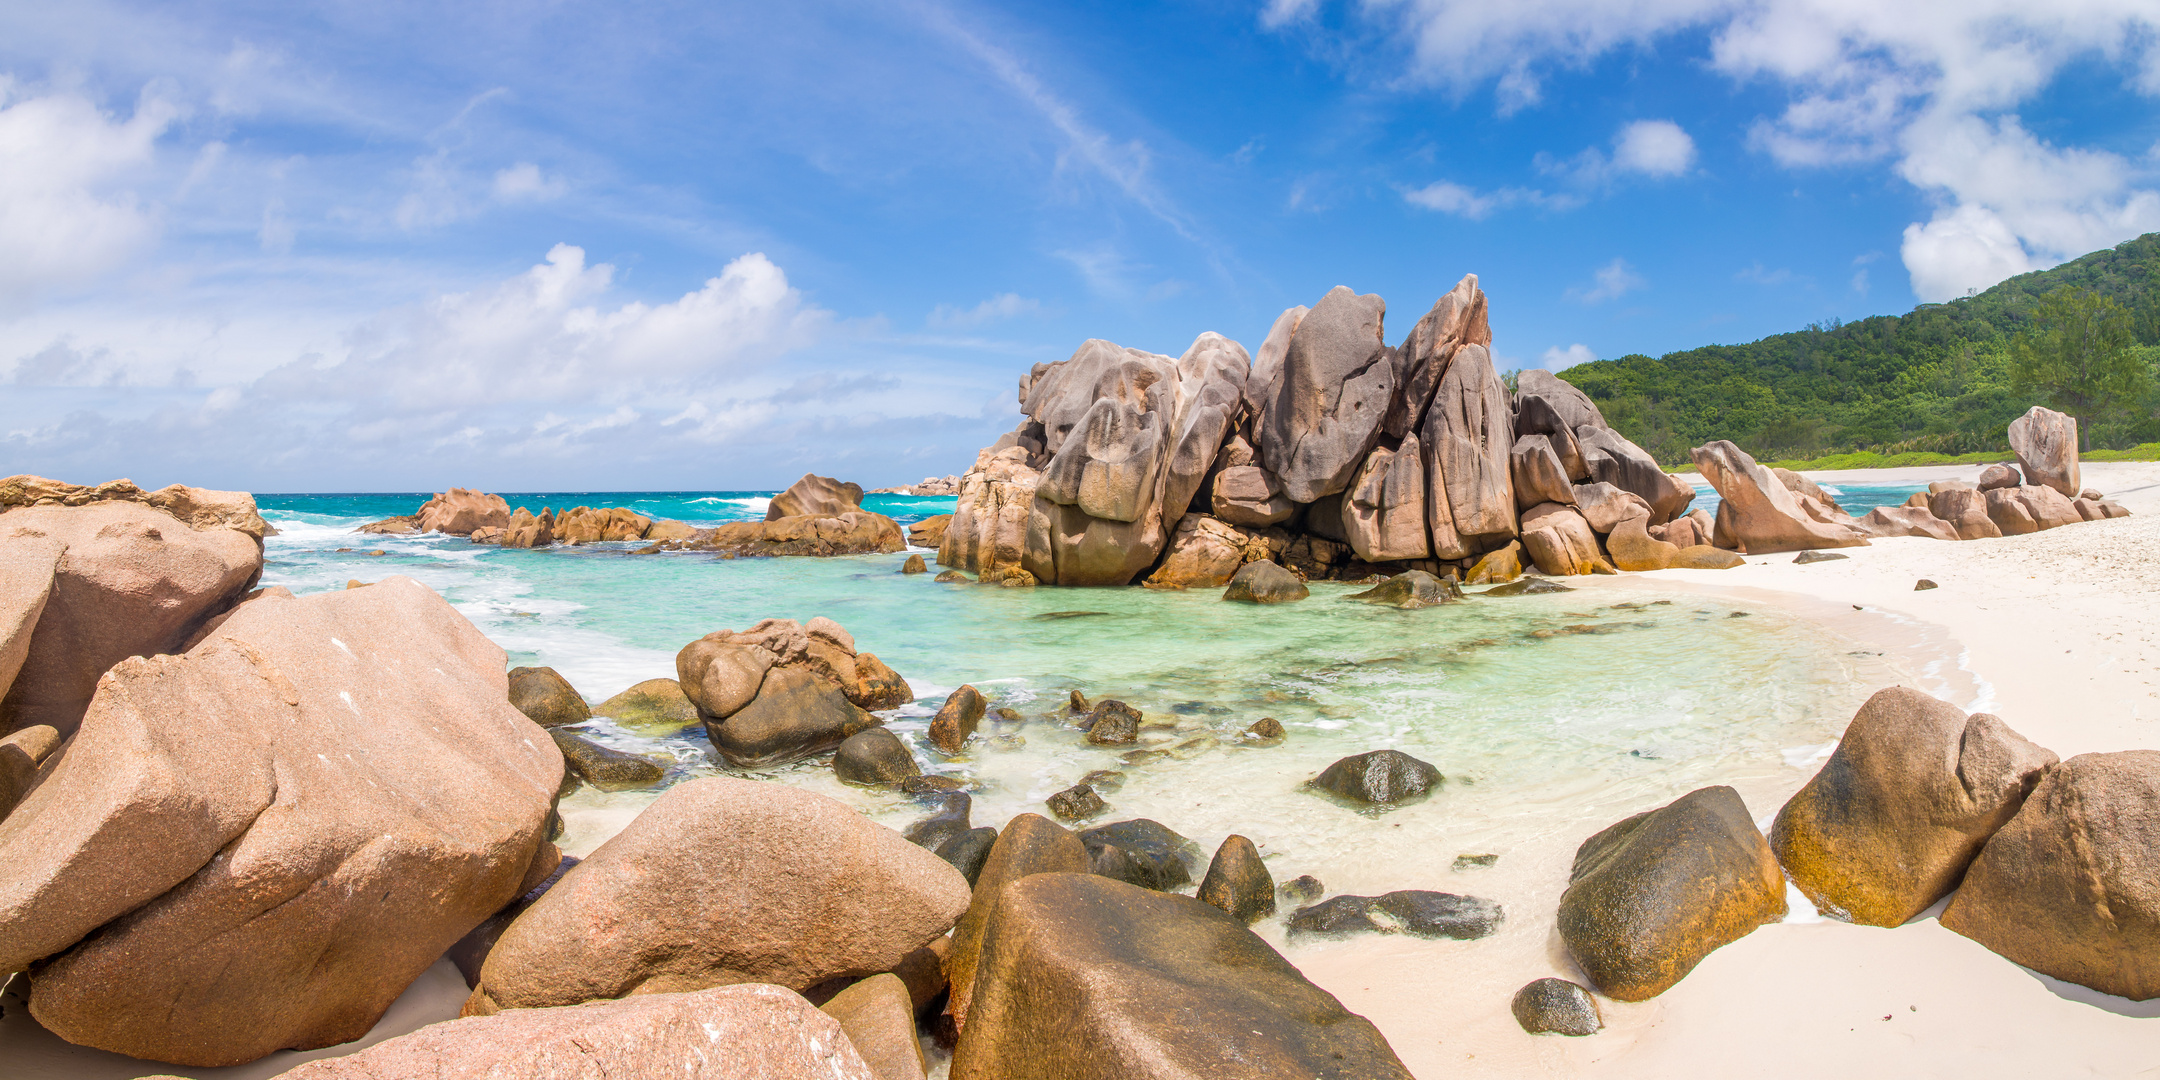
(1330, 452)
(2053, 864)
(928, 485)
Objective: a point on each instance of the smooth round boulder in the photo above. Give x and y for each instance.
(725, 881)
(655, 705)
(957, 719)
(794, 716)
(1263, 582)
(1891, 821)
(1238, 882)
(1085, 978)
(948, 818)
(1997, 476)
(546, 697)
(1141, 852)
(1556, 1007)
(874, 757)
(1649, 897)
(879, 1021)
(1379, 778)
(968, 851)
(2071, 886)
(720, 677)
(605, 767)
(914, 565)
(1030, 844)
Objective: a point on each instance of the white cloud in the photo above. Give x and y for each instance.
(65, 214)
(1964, 249)
(1556, 358)
(1449, 197)
(1654, 148)
(1611, 281)
(1278, 13)
(1001, 306)
(524, 182)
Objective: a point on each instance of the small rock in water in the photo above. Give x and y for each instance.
(914, 565)
(1737, 615)
(1302, 889)
(546, 697)
(654, 703)
(1266, 731)
(1923, 585)
(1556, 1007)
(1104, 779)
(378, 551)
(917, 785)
(1409, 590)
(1142, 757)
(949, 820)
(948, 576)
(1009, 714)
(1075, 803)
(957, 719)
(968, 851)
(1112, 723)
(876, 756)
(1238, 882)
(1141, 852)
(1529, 586)
(1263, 582)
(1802, 559)
(1474, 862)
(1379, 777)
(1416, 912)
(1078, 704)
(1006, 744)
(604, 768)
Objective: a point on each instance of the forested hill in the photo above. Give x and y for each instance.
(1944, 378)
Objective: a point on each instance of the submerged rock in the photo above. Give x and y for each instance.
(1415, 912)
(1411, 589)
(1266, 731)
(1556, 1007)
(1141, 852)
(606, 768)
(663, 905)
(1238, 882)
(1914, 789)
(2071, 886)
(1084, 978)
(1649, 897)
(1075, 803)
(1112, 723)
(1379, 778)
(1264, 582)
(652, 704)
(1302, 889)
(547, 697)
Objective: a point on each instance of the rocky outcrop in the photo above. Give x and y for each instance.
(1905, 521)
(1538, 474)
(1758, 514)
(2070, 887)
(1082, 977)
(1634, 549)
(1997, 476)
(1383, 512)
(1651, 896)
(2049, 509)
(1604, 506)
(1265, 583)
(1965, 511)
(461, 511)
(591, 525)
(853, 532)
(259, 843)
(1457, 319)
(1468, 435)
(527, 531)
(878, 1019)
(1889, 824)
(988, 533)
(1250, 495)
(2046, 445)
(1612, 459)
(1203, 554)
(1335, 387)
(782, 691)
(724, 881)
(815, 496)
(122, 577)
(1560, 542)
(763, 1033)
(1550, 404)
(930, 531)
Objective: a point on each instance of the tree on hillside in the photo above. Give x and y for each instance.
(2077, 355)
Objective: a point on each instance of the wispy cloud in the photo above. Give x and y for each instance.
(1611, 281)
(1001, 306)
(1556, 358)
(1449, 197)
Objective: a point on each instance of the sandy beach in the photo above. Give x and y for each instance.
(2051, 631)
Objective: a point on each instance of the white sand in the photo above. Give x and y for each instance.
(2056, 633)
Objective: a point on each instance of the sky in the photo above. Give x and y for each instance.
(580, 246)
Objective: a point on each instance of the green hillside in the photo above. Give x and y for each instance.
(1943, 379)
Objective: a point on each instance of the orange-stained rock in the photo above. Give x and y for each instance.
(259, 844)
(1889, 824)
(587, 525)
(1029, 844)
(528, 531)
(1559, 541)
(1497, 567)
(460, 511)
(1966, 511)
(1633, 549)
(745, 1032)
(989, 526)
(725, 881)
(1203, 554)
(1758, 513)
(815, 496)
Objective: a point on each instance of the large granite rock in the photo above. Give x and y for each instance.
(1651, 896)
(957, 719)
(1203, 554)
(1964, 510)
(930, 531)
(1559, 541)
(260, 843)
(1141, 852)
(1612, 459)
(1567, 408)
(1379, 778)
(1335, 387)
(2049, 508)
(1264, 582)
(1250, 495)
(852, 532)
(1082, 977)
(878, 1018)
(1758, 514)
(28, 565)
(130, 579)
(462, 511)
(794, 715)
(1265, 382)
(1605, 506)
(725, 881)
(1458, 318)
(1902, 521)
(1634, 549)
(782, 691)
(1538, 475)
(1030, 844)
(1889, 824)
(1383, 512)
(544, 695)
(1997, 476)
(1211, 395)
(988, 533)
(528, 531)
(592, 525)
(2071, 886)
(2046, 445)
(1468, 434)
(815, 496)
(746, 1032)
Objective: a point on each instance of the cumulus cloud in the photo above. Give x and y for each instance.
(1556, 358)
(1654, 148)
(65, 214)
(1925, 84)
(1611, 281)
(1001, 306)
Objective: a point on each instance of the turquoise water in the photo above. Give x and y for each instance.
(1857, 499)
(1575, 705)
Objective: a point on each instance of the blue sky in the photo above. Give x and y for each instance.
(391, 246)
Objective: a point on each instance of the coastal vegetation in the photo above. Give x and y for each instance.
(1937, 385)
